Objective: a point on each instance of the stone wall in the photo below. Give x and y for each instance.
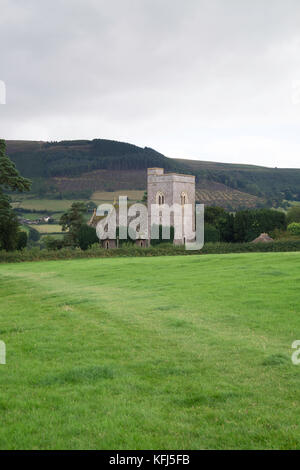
(171, 186)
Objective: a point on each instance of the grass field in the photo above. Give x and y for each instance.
(294, 203)
(57, 205)
(105, 196)
(32, 215)
(24, 228)
(61, 205)
(161, 353)
(57, 236)
(48, 228)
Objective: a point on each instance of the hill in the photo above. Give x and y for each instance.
(73, 158)
(78, 168)
(269, 183)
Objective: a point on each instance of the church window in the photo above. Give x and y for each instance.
(160, 198)
(183, 199)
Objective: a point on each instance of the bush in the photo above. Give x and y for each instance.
(277, 246)
(293, 215)
(294, 228)
(282, 235)
(53, 243)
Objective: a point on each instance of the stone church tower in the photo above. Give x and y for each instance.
(170, 188)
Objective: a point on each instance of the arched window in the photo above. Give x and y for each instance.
(183, 199)
(160, 198)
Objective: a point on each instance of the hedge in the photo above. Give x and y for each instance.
(36, 254)
(276, 246)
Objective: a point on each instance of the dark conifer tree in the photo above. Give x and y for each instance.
(10, 179)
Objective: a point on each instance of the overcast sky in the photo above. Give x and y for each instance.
(203, 79)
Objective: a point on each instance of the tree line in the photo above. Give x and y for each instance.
(246, 225)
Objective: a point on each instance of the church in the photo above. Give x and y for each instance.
(162, 188)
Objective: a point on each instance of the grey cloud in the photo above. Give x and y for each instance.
(192, 78)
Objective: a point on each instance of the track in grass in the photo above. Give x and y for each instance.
(172, 352)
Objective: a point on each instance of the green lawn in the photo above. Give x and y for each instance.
(151, 353)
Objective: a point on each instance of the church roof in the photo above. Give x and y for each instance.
(263, 238)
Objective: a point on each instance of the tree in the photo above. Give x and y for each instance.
(249, 224)
(22, 240)
(87, 237)
(226, 227)
(161, 238)
(211, 234)
(243, 226)
(91, 206)
(293, 214)
(72, 220)
(9, 225)
(222, 221)
(34, 235)
(10, 179)
(213, 214)
(288, 195)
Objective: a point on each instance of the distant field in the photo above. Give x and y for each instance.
(24, 228)
(57, 236)
(44, 204)
(61, 205)
(31, 215)
(207, 193)
(154, 353)
(294, 203)
(110, 196)
(48, 228)
(217, 194)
